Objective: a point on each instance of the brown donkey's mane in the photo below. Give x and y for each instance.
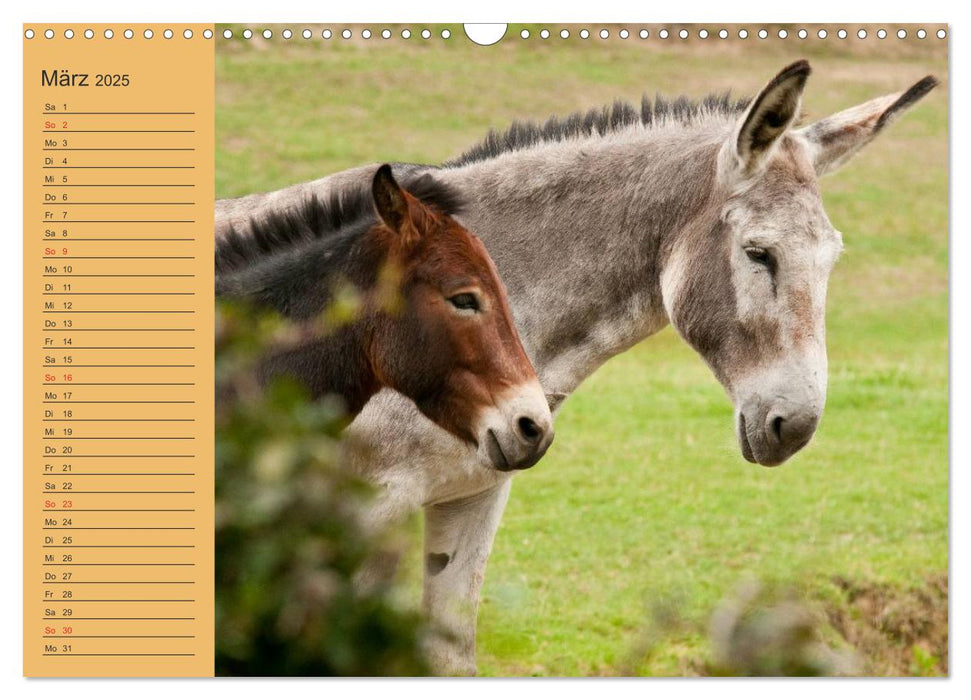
(343, 214)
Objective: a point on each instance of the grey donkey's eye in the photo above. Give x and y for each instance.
(465, 302)
(760, 256)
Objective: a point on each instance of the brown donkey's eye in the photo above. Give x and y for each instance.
(465, 302)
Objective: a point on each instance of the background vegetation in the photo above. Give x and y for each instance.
(644, 502)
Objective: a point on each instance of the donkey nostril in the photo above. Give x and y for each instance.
(777, 428)
(531, 432)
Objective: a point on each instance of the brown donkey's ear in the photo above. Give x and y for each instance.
(772, 112)
(838, 138)
(391, 203)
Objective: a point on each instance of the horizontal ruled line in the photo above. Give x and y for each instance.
(122, 347)
(158, 401)
(72, 491)
(126, 185)
(125, 474)
(119, 420)
(73, 365)
(56, 113)
(119, 510)
(118, 167)
(118, 131)
(117, 528)
(67, 654)
(126, 240)
(114, 330)
(119, 546)
(125, 311)
(118, 636)
(61, 584)
(120, 257)
(129, 456)
(106, 204)
(117, 564)
(139, 276)
(118, 384)
(120, 294)
(119, 149)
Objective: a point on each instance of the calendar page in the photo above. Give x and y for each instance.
(301, 301)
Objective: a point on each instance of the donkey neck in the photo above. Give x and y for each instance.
(300, 284)
(580, 231)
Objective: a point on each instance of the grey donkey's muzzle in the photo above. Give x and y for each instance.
(770, 431)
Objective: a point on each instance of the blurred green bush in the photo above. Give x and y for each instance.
(290, 537)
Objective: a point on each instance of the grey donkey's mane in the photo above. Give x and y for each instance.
(599, 122)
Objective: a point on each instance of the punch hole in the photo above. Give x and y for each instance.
(327, 34)
(247, 34)
(287, 34)
(267, 34)
(723, 34)
(624, 33)
(446, 34)
(941, 34)
(783, 34)
(604, 34)
(524, 34)
(564, 33)
(544, 34)
(584, 34)
(168, 34)
(901, 33)
(821, 33)
(663, 34)
(89, 34)
(702, 33)
(306, 33)
(227, 34)
(743, 34)
(129, 33)
(683, 34)
(187, 33)
(841, 34)
(405, 33)
(109, 33)
(346, 34)
(68, 33)
(484, 34)
(802, 33)
(643, 34)
(29, 34)
(207, 33)
(881, 34)
(763, 34)
(148, 34)
(366, 34)
(386, 34)
(425, 34)
(861, 34)
(921, 34)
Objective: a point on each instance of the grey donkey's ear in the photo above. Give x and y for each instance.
(772, 112)
(836, 139)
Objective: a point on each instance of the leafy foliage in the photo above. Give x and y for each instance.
(290, 533)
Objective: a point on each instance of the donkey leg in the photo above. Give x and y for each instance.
(458, 539)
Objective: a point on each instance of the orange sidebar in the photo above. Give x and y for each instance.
(118, 350)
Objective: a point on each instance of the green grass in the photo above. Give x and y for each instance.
(644, 495)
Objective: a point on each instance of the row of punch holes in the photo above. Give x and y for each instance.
(524, 34)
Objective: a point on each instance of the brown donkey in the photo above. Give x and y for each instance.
(432, 318)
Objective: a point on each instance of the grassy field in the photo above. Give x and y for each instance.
(644, 496)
